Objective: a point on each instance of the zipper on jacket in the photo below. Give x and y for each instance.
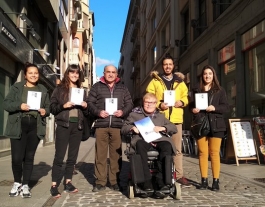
(111, 96)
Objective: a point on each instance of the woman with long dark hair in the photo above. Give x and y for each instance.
(210, 144)
(25, 126)
(69, 119)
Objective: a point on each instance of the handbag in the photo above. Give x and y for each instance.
(200, 127)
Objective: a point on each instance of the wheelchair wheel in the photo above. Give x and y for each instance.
(177, 192)
(130, 190)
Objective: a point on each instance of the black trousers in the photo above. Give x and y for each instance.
(66, 138)
(23, 150)
(164, 149)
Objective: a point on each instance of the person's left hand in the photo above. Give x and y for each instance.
(178, 104)
(84, 104)
(118, 113)
(210, 108)
(42, 111)
(159, 129)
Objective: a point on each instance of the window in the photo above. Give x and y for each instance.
(183, 44)
(154, 55)
(255, 65)
(153, 22)
(200, 24)
(76, 43)
(219, 6)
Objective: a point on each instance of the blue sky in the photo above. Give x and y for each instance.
(110, 18)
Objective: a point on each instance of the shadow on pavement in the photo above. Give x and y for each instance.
(87, 169)
(40, 170)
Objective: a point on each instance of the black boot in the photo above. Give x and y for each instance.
(204, 184)
(148, 186)
(215, 186)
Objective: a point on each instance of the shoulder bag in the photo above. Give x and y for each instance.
(200, 127)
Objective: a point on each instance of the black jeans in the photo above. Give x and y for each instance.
(23, 150)
(164, 149)
(66, 138)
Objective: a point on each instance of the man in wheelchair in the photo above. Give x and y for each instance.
(163, 145)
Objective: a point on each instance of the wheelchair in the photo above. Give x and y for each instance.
(136, 178)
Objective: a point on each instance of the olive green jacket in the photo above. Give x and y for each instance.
(12, 104)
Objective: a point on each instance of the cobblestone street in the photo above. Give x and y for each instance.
(235, 190)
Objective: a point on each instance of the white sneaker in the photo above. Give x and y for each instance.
(25, 193)
(15, 189)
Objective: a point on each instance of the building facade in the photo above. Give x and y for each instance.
(227, 34)
(42, 32)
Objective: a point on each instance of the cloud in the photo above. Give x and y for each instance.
(103, 62)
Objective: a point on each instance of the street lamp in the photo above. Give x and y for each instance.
(55, 67)
(51, 74)
(45, 52)
(23, 17)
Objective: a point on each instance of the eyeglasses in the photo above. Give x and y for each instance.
(150, 103)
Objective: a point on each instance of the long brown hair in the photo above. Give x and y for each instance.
(215, 82)
(65, 84)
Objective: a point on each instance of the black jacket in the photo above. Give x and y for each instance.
(220, 103)
(96, 103)
(61, 114)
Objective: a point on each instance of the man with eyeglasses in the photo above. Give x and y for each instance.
(110, 102)
(172, 83)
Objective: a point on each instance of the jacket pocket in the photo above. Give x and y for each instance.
(13, 126)
(220, 122)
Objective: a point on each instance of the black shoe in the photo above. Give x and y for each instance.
(54, 191)
(204, 184)
(215, 186)
(148, 186)
(115, 187)
(69, 188)
(98, 188)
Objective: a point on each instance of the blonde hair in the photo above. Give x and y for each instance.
(149, 95)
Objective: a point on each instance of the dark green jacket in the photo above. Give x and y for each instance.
(12, 105)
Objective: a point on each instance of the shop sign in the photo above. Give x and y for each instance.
(226, 53)
(8, 34)
(253, 36)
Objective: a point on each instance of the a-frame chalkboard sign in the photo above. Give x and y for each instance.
(245, 147)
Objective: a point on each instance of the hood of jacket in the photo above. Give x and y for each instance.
(103, 80)
(177, 76)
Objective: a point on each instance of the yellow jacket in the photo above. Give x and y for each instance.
(157, 86)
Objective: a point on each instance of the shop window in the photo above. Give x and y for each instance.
(228, 82)
(5, 83)
(255, 64)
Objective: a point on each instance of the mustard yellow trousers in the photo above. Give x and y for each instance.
(209, 146)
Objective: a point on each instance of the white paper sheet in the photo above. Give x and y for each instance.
(146, 128)
(33, 100)
(111, 105)
(201, 101)
(77, 95)
(169, 97)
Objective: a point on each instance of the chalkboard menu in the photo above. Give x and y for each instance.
(242, 136)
